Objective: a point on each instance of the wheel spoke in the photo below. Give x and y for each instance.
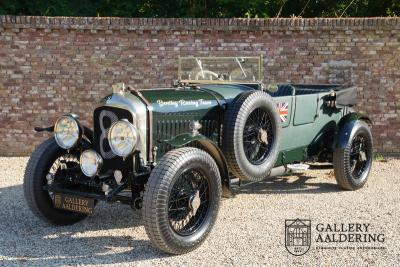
(178, 199)
(358, 156)
(184, 219)
(256, 146)
(247, 134)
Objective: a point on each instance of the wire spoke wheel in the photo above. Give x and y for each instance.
(352, 159)
(358, 156)
(62, 163)
(49, 163)
(189, 202)
(258, 136)
(181, 200)
(251, 135)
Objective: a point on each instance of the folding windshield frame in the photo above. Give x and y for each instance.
(257, 60)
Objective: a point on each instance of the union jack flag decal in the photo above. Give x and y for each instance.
(283, 111)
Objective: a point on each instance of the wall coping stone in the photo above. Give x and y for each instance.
(113, 23)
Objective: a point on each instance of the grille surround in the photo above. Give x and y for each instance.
(103, 118)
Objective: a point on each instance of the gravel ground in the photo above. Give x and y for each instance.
(249, 230)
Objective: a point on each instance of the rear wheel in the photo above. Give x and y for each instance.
(181, 200)
(353, 163)
(46, 161)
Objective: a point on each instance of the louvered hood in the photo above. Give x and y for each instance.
(174, 109)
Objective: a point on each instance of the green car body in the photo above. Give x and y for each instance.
(144, 144)
(310, 128)
(308, 117)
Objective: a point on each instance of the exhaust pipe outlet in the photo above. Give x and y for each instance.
(278, 171)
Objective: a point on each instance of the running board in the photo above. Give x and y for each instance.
(298, 167)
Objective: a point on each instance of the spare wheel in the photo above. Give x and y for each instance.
(251, 135)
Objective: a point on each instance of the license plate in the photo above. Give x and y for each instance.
(73, 203)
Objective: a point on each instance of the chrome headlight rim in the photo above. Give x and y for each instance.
(78, 129)
(98, 163)
(134, 132)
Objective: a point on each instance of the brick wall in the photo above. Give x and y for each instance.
(50, 66)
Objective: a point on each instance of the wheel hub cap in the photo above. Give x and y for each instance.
(263, 136)
(363, 156)
(195, 201)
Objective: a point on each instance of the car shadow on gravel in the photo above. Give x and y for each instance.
(293, 184)
(25, 240)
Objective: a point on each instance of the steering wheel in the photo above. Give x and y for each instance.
(206, 75)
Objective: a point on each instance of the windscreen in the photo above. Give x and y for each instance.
(220, 69)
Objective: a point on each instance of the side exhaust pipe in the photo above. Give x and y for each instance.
(278, 171)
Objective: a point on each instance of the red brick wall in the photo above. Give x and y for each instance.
(50, 66)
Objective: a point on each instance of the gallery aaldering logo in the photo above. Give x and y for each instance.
(331, 236)
(297, 236)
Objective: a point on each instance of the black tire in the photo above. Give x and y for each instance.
(236, 129)
(39, 200)
(350, 169)
(161, 192)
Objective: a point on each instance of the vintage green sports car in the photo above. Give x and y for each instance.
(174, 151)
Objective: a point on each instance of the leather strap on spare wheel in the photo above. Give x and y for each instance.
(251, 135)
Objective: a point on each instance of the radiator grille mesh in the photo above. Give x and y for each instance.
(103, 118)
(170, 125)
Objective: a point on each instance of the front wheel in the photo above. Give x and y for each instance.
(352, 163)
(48, 159)
(181, 200)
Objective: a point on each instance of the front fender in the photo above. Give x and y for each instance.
(184, 139)
(204, 143)
(344, 131)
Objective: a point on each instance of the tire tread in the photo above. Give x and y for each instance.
(242, 102)
(341, 162)
(156, 197)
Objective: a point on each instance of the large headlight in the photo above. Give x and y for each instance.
(90, 163)
(67, 131)
(123, 138)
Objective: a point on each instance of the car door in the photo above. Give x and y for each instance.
(306, 109)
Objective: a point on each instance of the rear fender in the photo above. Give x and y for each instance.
(345, 128)
(204, 143)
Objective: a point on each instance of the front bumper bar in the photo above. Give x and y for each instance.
(111, 197)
